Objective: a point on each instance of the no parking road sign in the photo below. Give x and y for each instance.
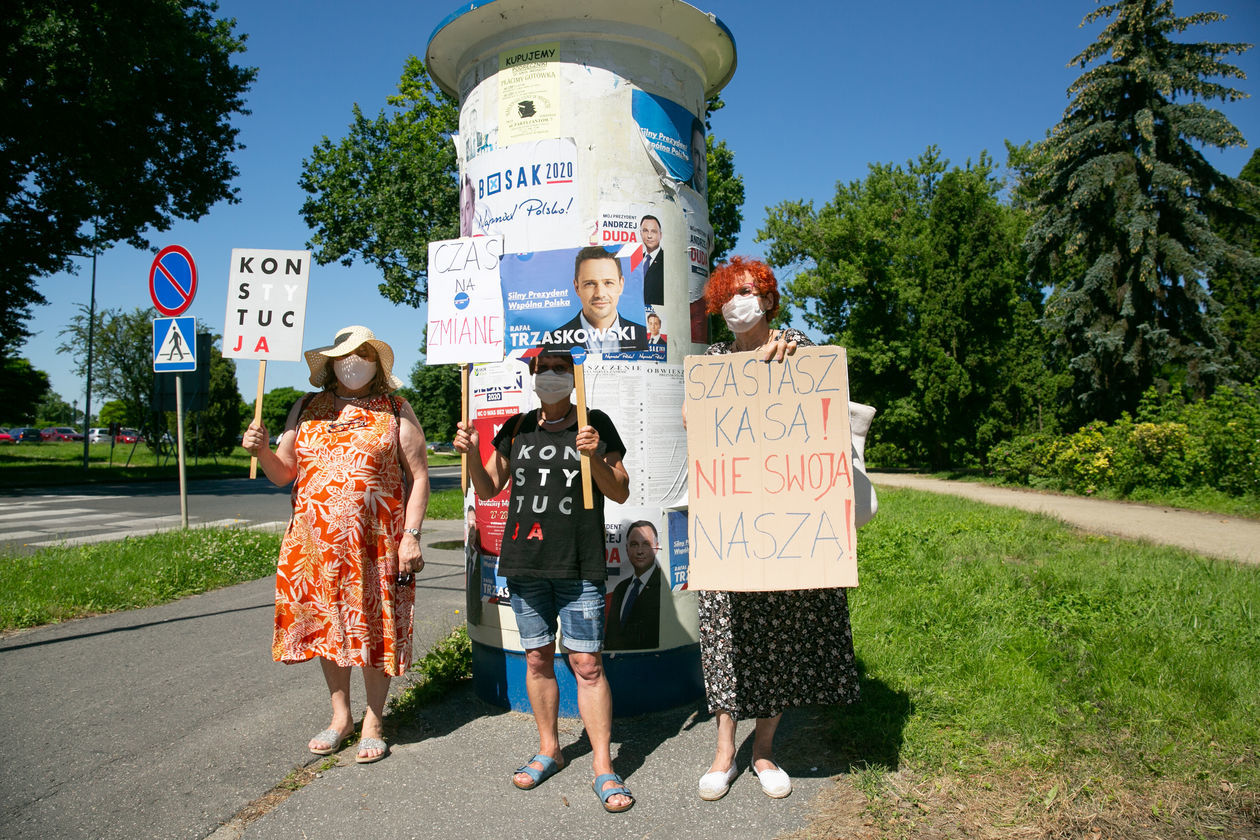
(174, 345)
(172, 280)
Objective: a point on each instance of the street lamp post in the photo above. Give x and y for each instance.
(87, 395)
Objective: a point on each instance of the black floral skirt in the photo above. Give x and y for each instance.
(763, 652)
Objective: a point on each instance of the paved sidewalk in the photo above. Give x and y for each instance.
(1214, 535)
(165, 722)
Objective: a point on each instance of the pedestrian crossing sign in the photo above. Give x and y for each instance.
(174, 345)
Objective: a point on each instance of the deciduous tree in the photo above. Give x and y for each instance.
(115, 118)
(1238, 292)
(388, 188)
(917, 271)
(435, 396)
(276, 406)
(22, 389)
(122, 358)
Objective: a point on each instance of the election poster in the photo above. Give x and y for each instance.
(530, 105)
(266, 305)
(699, 246)
(526, 193)
(636, 233)
(465, 301)
(641, 400)
(673, 137)
(679, 554)
(770, 477)
(637, 583)
(573, 297)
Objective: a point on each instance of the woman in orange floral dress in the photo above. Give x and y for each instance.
(345, 580)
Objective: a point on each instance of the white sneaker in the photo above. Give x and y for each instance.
(714, 785)
(775, 783)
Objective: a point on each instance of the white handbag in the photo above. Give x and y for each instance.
(864, 501)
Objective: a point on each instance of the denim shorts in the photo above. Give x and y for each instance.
(578, 604)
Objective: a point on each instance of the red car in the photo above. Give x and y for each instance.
(60, 433)
(128, 436)
(5, 437)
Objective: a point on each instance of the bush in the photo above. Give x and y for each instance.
(1213, 444)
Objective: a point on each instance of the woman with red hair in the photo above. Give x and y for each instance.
(762, 652)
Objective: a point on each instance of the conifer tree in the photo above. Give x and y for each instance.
(1127, 196)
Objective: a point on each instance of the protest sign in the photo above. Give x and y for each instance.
(266, 305)
(769, 473)
(465, 301)
(266, 312)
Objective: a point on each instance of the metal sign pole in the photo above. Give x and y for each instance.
(179, 442)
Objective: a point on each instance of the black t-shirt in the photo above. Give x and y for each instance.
(549, 534)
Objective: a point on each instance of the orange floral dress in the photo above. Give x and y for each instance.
(335, 592)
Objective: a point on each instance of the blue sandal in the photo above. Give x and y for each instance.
(604, 795)
(549, 769)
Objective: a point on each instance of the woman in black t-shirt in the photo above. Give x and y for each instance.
(553, 558)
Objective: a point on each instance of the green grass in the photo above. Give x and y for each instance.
(445, 504)
(993, 640)
(446, 665)
(50, 464)
(60, 583)
(56, 584)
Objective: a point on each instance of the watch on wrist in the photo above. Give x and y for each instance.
(415, 532)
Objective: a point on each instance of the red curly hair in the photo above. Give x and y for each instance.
(728, 277)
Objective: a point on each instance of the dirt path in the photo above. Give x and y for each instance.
(1213, 535)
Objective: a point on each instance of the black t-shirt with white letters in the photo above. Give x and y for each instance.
(549, 534)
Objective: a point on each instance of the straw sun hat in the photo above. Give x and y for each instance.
(347, 340)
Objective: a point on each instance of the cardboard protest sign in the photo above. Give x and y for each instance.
(769, 473)
(465, 301)
(266, 305)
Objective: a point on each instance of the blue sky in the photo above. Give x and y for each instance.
(822, 89)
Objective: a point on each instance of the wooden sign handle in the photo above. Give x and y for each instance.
(579, 382)
(262, 377)
(463, 415)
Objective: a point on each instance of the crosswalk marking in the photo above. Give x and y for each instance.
(60, 513)
(45, 521)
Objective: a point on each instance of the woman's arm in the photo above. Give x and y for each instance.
(415, 462)
(489, 478)
(607, 470)
(279, 466)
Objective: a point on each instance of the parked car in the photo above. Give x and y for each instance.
(60, 433)
(98, 435)
(129, 436)
(26, 435)
(441, 446)
(5, 437)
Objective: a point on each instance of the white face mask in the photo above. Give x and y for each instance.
(742, 312)
(552, 386)
(354, 371)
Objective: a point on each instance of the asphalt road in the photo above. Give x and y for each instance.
(33, 518)
(163, 722)
(1211, 534)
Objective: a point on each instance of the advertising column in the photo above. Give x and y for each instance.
(581, 145)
